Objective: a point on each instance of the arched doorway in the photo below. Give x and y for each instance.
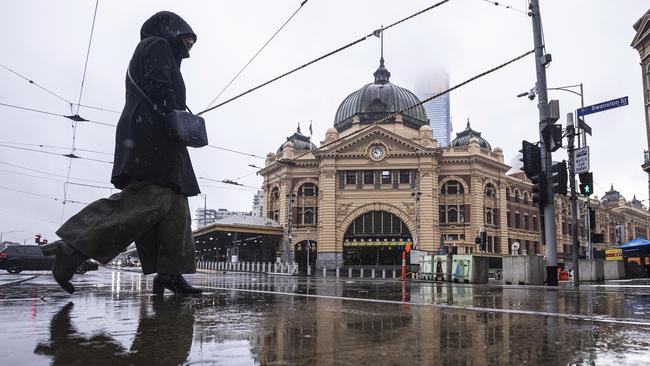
(305, 253)
(375, 238)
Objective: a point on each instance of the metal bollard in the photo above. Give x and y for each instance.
(324, 272)
(361, 273)
(394, 274)
(383, 273)
(338, 272)
(349, 272)
(373, 273)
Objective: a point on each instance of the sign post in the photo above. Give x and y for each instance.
(581, 160)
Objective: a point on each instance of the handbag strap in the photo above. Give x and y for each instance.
(155, 107)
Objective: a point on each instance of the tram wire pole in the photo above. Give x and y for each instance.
(571, 134)
(542, 59)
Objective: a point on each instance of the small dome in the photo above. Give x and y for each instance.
(612, 195)
(379, 99)
(299, 141)
(636, 203)
(463, 138)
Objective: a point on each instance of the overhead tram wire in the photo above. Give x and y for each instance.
(355, 42)
(90, 41)
(506, 6)
(35, 84)
(55, 180)
(55, 94)
(48, 173)
(257, 53)
(70, 156)
(393, 115)
(75, 118)
(236, 152)
(42, 196)
(74, 125)
(54, 147)
(111, 154)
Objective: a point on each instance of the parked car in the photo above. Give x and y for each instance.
(17, 258)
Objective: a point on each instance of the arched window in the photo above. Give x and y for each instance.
(490, 191)
(453, 187)
(274, 209)
(516, 195)
(452, 215)
(507, 194)
(308, 190)
(309, 217)
(525, 198)
(275, 194)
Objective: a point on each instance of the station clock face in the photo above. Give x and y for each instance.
(377, 152)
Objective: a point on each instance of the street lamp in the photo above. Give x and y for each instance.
(205, 207)
(7, 232)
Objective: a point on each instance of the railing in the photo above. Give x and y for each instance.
(290, 268)
(646, 157)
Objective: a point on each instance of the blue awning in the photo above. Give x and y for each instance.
(636, 244)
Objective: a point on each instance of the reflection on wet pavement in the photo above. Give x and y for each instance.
(113, 320)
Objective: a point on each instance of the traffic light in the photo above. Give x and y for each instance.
(532, 167)
(586, 183)
(531, 159)
(592, 217)
(538, 188)
(37, 238)
(559, 178)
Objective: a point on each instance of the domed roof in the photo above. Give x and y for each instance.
(299, 141)
(463, 137)
(376, 100)
(612, 195)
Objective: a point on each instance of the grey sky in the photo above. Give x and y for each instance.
(589, 41)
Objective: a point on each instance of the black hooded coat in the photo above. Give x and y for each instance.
(145, 149)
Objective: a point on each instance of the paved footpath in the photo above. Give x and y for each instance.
(250, 319)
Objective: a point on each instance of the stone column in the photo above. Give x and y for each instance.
(426, 211)
(476, 200)
(503, 220)
(435, 207)
(329, 251)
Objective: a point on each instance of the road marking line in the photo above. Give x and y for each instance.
(446, 306)
(18, 281)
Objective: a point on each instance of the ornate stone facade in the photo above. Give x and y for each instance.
(371, 187)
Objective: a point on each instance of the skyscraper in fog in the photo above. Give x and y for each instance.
(438, 110)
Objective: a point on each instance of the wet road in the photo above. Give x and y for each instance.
(248, 319)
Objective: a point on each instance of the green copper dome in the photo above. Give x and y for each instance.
(379, 99)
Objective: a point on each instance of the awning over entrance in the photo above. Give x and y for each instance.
(636, 244)
(239, 238)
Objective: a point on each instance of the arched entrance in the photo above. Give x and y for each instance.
(375, 238)
(305, 253)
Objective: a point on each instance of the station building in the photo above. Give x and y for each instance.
(370, 188)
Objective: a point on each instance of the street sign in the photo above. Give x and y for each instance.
(581, 160)
(585, 127)
(614, 254)
(595, 108)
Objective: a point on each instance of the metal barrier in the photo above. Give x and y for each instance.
(255, 267)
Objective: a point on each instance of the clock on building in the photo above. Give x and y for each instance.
(377, 152)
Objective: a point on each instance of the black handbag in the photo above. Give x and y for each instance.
(188, 128)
